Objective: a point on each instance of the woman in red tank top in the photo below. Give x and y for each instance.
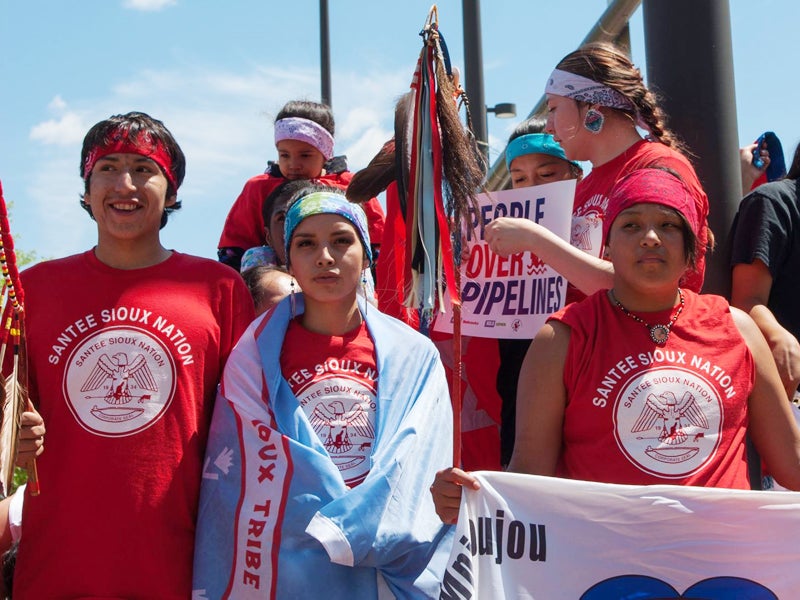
(651, 340)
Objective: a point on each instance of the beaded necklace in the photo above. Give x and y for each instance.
(658, 333)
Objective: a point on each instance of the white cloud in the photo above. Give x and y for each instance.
(57, 105)
(61, 132)
(148, 5)
(364, 149)
(364, 108)
(51, 222)
(223, 121)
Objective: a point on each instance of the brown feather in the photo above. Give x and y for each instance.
(14, 399)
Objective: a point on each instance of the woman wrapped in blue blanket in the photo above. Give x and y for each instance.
(331, 420)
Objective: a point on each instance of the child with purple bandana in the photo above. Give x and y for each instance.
(304, 139)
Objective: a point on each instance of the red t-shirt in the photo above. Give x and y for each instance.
(123, 367)
(334, 379)
(641, 414)
(244, 225)
(591, 202)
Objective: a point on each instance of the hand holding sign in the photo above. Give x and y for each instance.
(509, 235)
(506, 290)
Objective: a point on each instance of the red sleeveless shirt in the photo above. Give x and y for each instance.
(642, 413)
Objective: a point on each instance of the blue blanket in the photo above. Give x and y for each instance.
(276, 519)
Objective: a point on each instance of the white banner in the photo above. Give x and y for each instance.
(511, 297)
(543, 538)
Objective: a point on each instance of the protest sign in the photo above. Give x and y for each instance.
(511, 297)
(524, 536)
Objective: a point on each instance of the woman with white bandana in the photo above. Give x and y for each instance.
(331, 420)
(597, 105)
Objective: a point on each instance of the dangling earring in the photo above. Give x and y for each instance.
(593, 121)
(364, 290)
(292, 299)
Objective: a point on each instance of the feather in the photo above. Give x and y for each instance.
(438, 195)
(444, 177)
(14, 392)
(14, 398)
(438, 173)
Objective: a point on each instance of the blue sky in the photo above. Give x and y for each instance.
(217, 72)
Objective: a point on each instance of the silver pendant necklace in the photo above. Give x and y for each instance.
(659, 332)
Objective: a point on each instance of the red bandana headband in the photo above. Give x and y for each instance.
(650, 186)
(144, 145)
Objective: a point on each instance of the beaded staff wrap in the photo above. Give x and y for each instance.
(8, 260)
(12, 289)
(15, 386)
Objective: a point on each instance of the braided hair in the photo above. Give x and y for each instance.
(610, 66)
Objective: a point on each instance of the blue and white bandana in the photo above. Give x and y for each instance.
(583, 89)
(327, 203)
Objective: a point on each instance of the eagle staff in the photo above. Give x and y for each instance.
(14, 389)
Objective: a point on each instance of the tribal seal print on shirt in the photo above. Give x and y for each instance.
(119, 381)
(344, 419)
(587, 226)
(668, 421)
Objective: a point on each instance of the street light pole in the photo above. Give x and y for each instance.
(503, 110)
(473, 72)
(325, 52)
(696, 82)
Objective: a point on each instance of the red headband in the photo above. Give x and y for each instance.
(144, 145)
(650, 186)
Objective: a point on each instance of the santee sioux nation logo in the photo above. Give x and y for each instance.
(587, 231)
(344, 421)
(668, 421)
(119, 381)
